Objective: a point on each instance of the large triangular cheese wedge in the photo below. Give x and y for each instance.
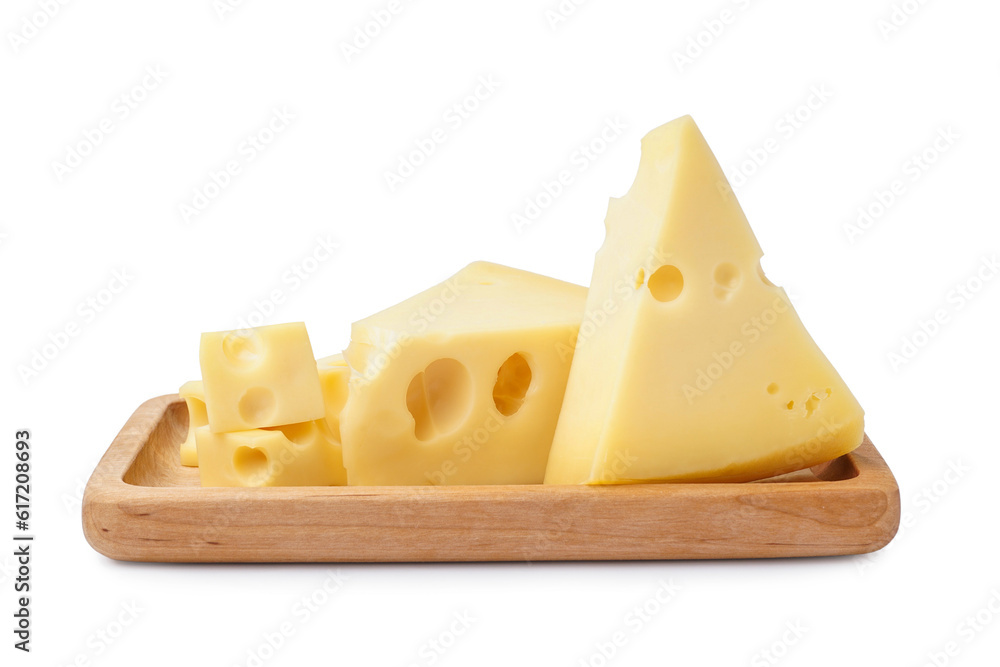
(690, 364)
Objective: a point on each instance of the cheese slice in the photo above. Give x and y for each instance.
(462, 383)
(306, 454)
(193, 394)
(260, 377)
(699, 367)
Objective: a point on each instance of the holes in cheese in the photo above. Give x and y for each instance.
(193, 394)
(436, 381)
(305, 454)
(251, 371)
(258, 405)
(250, 463)
(261, 377)
(666, 283)
(762, 276)
(813, 402)
(439, 398)
(513, 380)
(688, 391)
(727, 279)
(242, 347)
(300, 435)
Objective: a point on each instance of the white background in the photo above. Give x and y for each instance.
(885, 96)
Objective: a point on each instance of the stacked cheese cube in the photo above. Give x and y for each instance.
(266, 413)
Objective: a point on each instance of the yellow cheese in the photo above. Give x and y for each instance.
(699, 367)
(260, 377)
(462, 383)
(306, 454)
(193, 394)
(334, 374)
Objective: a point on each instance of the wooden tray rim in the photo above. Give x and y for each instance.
(108, 492)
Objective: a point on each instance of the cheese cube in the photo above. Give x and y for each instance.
(462, 383)
(260, 377)
(305, 454)
(193, 394)
(703, 371)
(334, 374)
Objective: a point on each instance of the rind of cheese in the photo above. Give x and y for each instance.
(462, 383)
(193, 394)
(260, 377)
(306, 454)
(701, 370)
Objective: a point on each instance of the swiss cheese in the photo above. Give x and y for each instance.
(260, 377)
(334, 374)
(306, 454)
(462, 383)
(193, 394)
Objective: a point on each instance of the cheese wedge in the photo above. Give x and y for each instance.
(193, 394)
(699, 368)
(462, 383)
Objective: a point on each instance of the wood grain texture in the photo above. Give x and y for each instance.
(142, 505)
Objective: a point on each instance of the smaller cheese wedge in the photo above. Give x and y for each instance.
(462, 383)
(260, 377)
(334, 374)
(306, 454)
(701, 369)
(193, 394)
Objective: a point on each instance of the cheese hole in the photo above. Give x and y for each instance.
(439, 398)
(812, 403)
(727, 276)
(666, 283)
(790, 405)
(727, 279)
(299, 434)
(772, 388)
(250, 464)
(513, 380)
(762, 276)
(640, 277)
(257, 405)
(241, 348)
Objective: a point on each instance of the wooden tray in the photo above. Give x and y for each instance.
(142, 505)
